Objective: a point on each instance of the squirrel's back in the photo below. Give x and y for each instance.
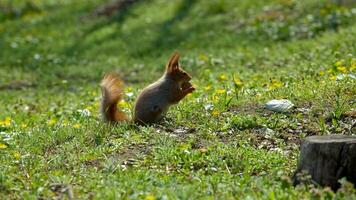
(154, 100)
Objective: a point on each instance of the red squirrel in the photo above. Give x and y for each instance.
(154, 100)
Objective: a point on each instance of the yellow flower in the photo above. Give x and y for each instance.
(220, 91)
(90, 108)
(124, 104)
(23, 125)
(341, 69)
(275, 84)
(77, 125)
(321, 73)
(353, 65)
(3, 146)
(208, 87)
(16, 155)
(52, 122)
(150, 197)
(215, 113)
(128, 89)
(338, 63)
(216, 98)
(332, 77)
(258, 95)
(65, 122)
(238, 83)
(93, 93)
(6, 121)
(203, 57)
(222, 77)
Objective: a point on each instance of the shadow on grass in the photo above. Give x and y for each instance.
(169, 38)
(165, 38)
(121, 15)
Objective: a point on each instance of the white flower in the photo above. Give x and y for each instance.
(209, 106)
(37, 56)
(342, 76)
(84, 112)
(129, 94)
(13, 45)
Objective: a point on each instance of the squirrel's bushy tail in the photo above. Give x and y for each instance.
(112, 91)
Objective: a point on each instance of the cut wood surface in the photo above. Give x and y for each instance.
(327, 159)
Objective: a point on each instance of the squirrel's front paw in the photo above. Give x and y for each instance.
(186, 85)
(190, 89)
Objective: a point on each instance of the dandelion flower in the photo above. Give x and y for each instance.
(203, 57)
(128, 89)
(341, 69)
(3, 146)
(220, 91)
(338, 63)
(52, 122)
(6, 122)
(353, 65)
(238, 83)
(150, 197)
(89, 108)
(215, 113)
(65, 122)
(124, 104)
(16, 155)
(222, 77)
(275, 84)
(216, 98)
(208, 87)
(77, 126)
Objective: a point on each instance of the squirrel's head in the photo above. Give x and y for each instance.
(174, 71)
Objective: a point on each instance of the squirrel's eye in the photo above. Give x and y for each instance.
(185, 73)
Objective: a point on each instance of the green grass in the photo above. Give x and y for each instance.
(218, 143)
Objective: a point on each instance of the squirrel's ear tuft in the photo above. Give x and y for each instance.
(173, 62)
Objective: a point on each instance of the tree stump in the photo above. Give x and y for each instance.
(327, 159)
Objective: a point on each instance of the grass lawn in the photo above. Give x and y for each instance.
(218, 143)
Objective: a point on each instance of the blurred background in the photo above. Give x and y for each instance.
(42, 40)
